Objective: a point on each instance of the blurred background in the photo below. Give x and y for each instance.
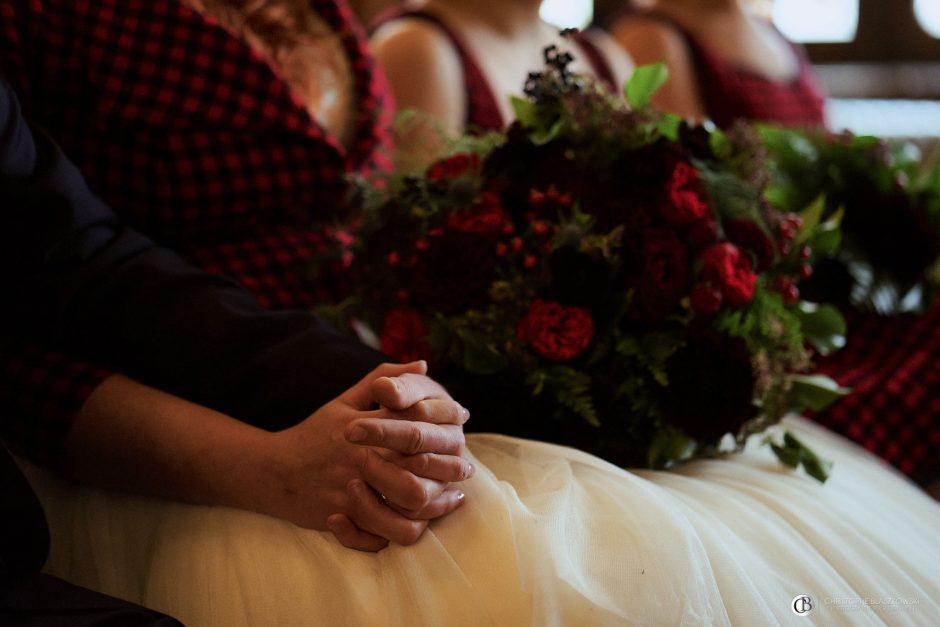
(879, 60)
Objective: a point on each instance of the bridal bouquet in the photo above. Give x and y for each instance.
(602, 276)
(888, 259)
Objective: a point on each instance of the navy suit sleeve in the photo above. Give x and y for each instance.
(78, 279)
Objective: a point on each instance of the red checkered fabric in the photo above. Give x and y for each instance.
(192, 137)
(731, 93)
(483, 112)
(892, 365)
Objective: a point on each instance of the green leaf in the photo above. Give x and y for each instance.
(823, 326)
(786, 455)
(794, 453)
(669, 445)
(812, 216)
(813, 392)
(826, 241)
(478, 356)
(815, 466)
(526, 111)
(643, 84)
(668, 126)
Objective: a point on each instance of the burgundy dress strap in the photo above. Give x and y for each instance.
(597, 61)
(730, 92)
(482, 108)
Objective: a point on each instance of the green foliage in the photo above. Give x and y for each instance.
(644, 82)
(794, 453)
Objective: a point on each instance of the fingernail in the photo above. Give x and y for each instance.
(464, 413)
(461, 496)
(356, 434)
(470, 470)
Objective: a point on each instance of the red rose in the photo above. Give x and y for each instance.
(705, 299)
(486, 217)
(684, 204)
(453, 166)
(403, 336)
(749, 236)
(665, 275)
(555, 331)
(725, 267)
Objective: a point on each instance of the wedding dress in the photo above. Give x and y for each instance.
(548, 536)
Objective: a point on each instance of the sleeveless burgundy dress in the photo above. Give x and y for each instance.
(481, 103)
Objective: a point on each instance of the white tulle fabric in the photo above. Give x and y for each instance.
(548, 536)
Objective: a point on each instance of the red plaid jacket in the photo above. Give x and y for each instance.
(195, 141)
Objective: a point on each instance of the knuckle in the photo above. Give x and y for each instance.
(422, 411)
(412, 533)
(415, 439)
(416, 494)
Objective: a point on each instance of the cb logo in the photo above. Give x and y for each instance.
(801, 605)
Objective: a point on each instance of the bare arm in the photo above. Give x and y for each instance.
(132, 437)
(426, 76)
(648, 41)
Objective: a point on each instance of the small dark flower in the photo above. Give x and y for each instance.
(711, 386)
(404, 334)
(730, 271)
(455, 272)
(555, 331)
(684, 204)
(453, 167)
(751, 237)
(486, 217)
(578, 278)
(665, 276)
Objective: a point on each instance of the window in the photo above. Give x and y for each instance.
(863, 30)
(567, 13)
(817, 20)
(928, 15)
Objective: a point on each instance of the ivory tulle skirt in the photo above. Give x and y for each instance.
(547, 536)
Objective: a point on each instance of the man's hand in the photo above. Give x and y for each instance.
(374, 464)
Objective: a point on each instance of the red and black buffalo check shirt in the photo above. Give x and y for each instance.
(192, 138)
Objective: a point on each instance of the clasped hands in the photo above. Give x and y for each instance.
(375, 465)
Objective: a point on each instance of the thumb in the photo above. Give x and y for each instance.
(362, 395)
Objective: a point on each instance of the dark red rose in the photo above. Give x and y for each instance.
(486, 217)
(684, 204)
(453, 166)
(403, 336)
(703, 233)
(705, 299)
(665, 276)
(555, 331)
(751, 237)
(454, 273)
(725, 267)
(711, 386)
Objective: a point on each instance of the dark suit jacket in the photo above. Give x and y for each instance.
(75, 278)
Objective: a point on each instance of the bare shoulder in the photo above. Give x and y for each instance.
(414, 43)
(425, 72)
(648, 39)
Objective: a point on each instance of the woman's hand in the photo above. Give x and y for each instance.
(375, 464)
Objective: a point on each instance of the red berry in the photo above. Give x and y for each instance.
(437, 231)
(806, 252)
(422, 244)
(806, 271)
(540, 228)
(536, 197)
(529, 262)
(516, 244)
(501, 249)
(393, 258)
